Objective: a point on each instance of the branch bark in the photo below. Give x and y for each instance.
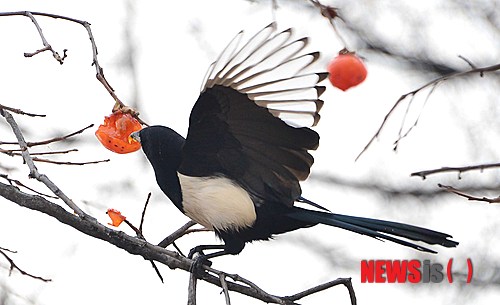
(136, 246)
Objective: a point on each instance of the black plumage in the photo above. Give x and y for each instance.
(238, 170)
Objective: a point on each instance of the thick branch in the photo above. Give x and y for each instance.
(91, 227)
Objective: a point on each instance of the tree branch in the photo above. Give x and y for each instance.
(453, 190)
(16, 267)
(460, 170)
(119, 105)
(31, 165)
(432, 84)
(136, 246)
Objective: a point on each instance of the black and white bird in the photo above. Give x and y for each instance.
(238, 170)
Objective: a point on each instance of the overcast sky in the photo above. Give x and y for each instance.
(172, 45)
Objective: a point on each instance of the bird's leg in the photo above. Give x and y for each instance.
(202, 258)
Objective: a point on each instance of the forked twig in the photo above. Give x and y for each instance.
(119, 105)
(434, 82)
(453, 190)
(33, 170)
(19, 183)
(13, 266)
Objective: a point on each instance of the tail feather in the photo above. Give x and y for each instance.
(379, 229)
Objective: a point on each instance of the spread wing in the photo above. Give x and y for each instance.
(248, 122)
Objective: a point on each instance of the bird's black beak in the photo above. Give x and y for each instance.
(134, 137)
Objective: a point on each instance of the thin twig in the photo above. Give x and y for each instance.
(176, 235)
(330, 13)
(16, 152)
(7, 250)
(401, 135)
(19, 183)
(460, 170)
(225, 290)
(340, 281)
(19, 111)
(144, 211)
(31, 165)
(13, 266)
(47, 46)
(403, 97)
(453, 190)
(237, 278)
(52, 140)
(467, 61)
(69, 163)
(119, 105)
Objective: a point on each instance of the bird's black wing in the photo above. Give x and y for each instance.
(248, 123)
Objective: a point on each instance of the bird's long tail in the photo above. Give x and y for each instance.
(379, 229)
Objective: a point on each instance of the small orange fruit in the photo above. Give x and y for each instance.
(346, 70)
(115, 131)
(116, 217)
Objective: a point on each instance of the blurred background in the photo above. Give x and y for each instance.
(155, 55)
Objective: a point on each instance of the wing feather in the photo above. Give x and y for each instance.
(244, 124)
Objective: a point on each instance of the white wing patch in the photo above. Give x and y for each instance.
(216, 203)
(269, 68)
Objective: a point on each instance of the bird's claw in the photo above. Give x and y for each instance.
(198, 263)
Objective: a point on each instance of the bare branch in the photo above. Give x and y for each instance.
(192, 289)
(460, 170)
(16, 152)
(31, 165)
(13, 266)
(144, 212)
(134, 245)
(176, 235)
(223, 283)
(340, 281)
(19, 111)
(69, 163)
(432, 83)
(453, 190)
(19, 183)
(330, 13)
(52, 140)
(119, 105)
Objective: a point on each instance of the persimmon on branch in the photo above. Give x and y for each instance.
(88, 225)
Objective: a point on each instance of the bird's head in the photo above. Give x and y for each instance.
(161, 145)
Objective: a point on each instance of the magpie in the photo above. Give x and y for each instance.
(238, 170)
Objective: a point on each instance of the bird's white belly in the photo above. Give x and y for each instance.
(216, 202)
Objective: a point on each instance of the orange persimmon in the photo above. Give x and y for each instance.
(115, 131)
(116, 217)
(346, 70)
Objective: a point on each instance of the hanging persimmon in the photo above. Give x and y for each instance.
(114, 133)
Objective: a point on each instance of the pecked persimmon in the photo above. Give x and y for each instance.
(116, 217)
(115, 131)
